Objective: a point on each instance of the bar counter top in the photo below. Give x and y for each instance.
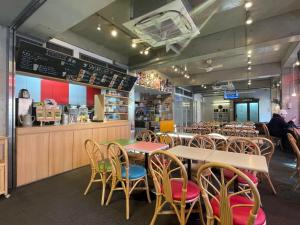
(73, 126)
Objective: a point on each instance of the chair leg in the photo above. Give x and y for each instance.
(156, 210)
(147, 189)
(200, 212)
(90, 183)
(270, 182)
(103, 189)
(182, 215)
(127, 196)
(113, 186)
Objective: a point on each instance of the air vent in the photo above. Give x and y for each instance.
(166, 25)
(60, 48)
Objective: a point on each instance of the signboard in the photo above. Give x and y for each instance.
(42, 61)
(231, 94)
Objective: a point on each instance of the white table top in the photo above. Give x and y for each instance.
(145, 147)
(179, 134)
(239, 160)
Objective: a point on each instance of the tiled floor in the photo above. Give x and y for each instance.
(59, 201)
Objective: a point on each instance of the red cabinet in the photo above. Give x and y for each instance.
(56, 90)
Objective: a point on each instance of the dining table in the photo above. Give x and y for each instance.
(256, 163)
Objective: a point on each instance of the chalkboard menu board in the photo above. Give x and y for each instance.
(42, 61)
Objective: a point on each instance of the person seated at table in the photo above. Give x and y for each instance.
(278, 127)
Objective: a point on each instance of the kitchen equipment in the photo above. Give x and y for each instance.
(23, 107)
(65, 119)
(27, 120)
(24, 93)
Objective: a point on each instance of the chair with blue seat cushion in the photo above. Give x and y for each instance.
(100, 165)
(130, 176)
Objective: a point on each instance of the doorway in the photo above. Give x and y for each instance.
(246, 110)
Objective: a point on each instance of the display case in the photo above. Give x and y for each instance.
(3, 167)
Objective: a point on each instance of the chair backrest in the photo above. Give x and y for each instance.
(220, 190)
(247, 133)
(118, 158)
(242, 145)
(295, 148)
(201, 141)
(204, 130)
(177, 140)
(266, 130)
(149, 136)
(164, 167)
(95, 153)
(219, 140)
(229, 131)
(266, 147)
(166, 139)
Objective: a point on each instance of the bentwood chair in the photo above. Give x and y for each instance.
(219, 140)
(129, 176)
(100, 165)
(223, 203)
(166, 139)
(296, 150)
(245, 146)
(172, 187)
(149, 136)
(266, 147)
(200, 141)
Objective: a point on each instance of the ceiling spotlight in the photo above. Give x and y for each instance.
(277, 84)
(142, 52)
(99, 27)
(297, 63)
(204, 86)
(249, 82)
(114, 32)
(249, 68)
(185, 68)
(173, 67)
(249, 62)
(176, 69)
(249, 21)
(146, 52)
(248, 5)
(294, 94)
(133, 44)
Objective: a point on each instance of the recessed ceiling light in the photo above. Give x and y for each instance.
(142, 52)
(114, 32)
(249, 62)
(248, 5)
(99, 27)
(249, 67)
(146, 52)
(175, 69)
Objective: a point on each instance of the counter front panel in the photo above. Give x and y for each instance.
(50, 150)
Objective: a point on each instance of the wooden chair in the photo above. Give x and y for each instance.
(219, 140)
(129, 176)
(296, 150)
(266, 147)
(149, 136)
(247, 133)
(224, 204)
(178, 141)
(245, 146)
(229, 132)
(172, 187)
(165, 139)
(100, 165)
(266, 131)
(200, 141)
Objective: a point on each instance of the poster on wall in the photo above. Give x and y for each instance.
(46, 62)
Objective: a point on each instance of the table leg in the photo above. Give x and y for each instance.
(146, 161)
(189, 169)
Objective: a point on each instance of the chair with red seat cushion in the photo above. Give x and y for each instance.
(172, 186)
(229, 174)
(223, 203)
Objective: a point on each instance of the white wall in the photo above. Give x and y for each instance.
(264, 96)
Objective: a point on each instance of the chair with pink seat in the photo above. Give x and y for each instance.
(224, 204)
(173, 187)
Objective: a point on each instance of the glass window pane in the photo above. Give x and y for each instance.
(241, 112)
(253, 111)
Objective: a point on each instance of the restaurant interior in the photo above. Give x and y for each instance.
(150, 112)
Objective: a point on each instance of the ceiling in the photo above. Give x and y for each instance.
(10, 9)
(274, 36)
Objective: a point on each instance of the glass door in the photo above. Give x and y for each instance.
(246, 111)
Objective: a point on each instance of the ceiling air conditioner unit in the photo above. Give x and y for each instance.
(166, 25)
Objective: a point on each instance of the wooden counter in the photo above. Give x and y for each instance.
(50, 150)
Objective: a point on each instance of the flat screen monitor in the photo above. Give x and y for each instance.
(231, 94)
